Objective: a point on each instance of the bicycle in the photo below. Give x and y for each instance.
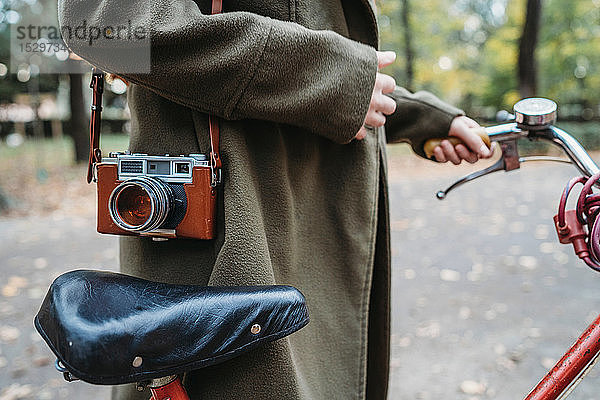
(120, 297)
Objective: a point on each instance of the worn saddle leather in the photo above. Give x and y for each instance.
(97, 323)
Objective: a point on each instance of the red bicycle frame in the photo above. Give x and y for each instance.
(571, 368)
(169, 388)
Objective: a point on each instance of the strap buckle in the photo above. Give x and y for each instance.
(215, 171)
(97, 75)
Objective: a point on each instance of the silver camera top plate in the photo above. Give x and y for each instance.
(177, 169)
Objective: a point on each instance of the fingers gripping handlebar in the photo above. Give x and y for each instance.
(432, 143)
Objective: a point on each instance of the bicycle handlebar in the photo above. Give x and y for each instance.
(574, 150)
(578, 155)
(534, 121)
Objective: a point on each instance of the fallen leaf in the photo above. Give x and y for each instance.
(15, 392)
(9, 334)
(42, 361)
(499, 349)
(528, 262)
(541, 232)
(464, 312)
(472, 387)
(516, 227)
(547, 247)
(429, 329)
(9, 291)
(404, 341)
(409, 274)
(40, 263)
(17, 281)
(548, 362)
(449, 275)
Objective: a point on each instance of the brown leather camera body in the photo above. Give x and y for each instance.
(200, 215)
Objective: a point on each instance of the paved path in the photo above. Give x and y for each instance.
(33, 252)
(484, 298)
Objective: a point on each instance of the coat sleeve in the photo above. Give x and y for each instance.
(418, 117)
(235, 65)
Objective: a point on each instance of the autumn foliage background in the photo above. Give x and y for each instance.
(467, 51)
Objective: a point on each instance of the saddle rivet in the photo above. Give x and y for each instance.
(137, 361)
(255, 329)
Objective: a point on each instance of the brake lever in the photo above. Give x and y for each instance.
(508, 161)
(545, 158)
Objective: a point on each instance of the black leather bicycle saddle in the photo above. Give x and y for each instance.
(110, 329)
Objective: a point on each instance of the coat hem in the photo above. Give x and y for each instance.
(366, 291)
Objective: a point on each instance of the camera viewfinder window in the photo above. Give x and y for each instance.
(159, 168)
(182, 168)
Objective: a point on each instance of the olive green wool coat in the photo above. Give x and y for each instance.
(302, 203)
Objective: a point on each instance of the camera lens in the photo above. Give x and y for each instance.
(134, 205)
(140, 204)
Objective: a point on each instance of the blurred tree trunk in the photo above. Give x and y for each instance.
(409, 54)
(4, 206)
(527, 45)
(78, 128)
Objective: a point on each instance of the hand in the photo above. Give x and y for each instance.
(465, 129)
(380, 105)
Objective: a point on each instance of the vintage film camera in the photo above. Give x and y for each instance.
(158, 196)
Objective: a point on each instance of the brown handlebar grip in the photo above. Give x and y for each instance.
(432, 143)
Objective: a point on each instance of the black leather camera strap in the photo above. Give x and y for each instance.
(97, 85)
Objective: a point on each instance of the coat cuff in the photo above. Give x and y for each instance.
(317, 80)
(419, 117)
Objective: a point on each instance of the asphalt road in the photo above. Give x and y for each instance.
(484, 297)
(34, 251)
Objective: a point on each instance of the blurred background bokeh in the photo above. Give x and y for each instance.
(475, 311)
(482, 55)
